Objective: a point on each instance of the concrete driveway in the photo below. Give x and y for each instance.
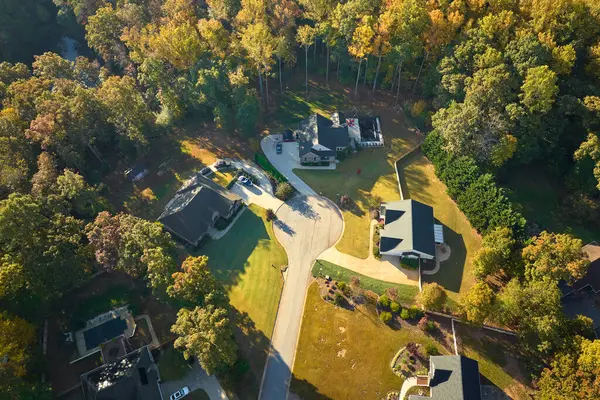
(195, 379)
(287, 161)
(306, 226)
(257, 195)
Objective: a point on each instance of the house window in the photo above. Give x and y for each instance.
(324, 158)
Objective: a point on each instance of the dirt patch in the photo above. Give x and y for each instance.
(341, 353)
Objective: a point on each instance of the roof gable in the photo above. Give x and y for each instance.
(454, 378)
(410, 224)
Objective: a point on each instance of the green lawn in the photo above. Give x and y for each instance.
(406, 293)
(455, 274)
(368, 173)
(498, 360)
(346, 354)
(247, 261)
(538, 196)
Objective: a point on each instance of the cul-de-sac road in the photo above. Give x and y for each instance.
(306, 226)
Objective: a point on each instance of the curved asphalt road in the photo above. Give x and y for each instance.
(306, 226)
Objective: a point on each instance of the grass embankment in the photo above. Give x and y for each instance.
(406, 293)
(498, 360)
(345, 354)
(455, 274)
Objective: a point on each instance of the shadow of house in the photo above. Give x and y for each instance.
(132, 377)
(196, 207)
(451, 271)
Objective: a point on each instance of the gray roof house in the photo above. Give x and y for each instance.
(320, 138)
(451, 378)
(196, 207)
(134, 376)
(409, 230)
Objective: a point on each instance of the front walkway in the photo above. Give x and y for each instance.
(408, 383)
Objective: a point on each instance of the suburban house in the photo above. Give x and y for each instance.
(580, 297)
(409, 230)
(196, 207)
(134, 376)
(450, 378)
(320, 138)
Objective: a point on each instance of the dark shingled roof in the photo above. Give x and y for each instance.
(132, 377)
(192, 211)
(318, 130)
(408, 226)
(454, 378)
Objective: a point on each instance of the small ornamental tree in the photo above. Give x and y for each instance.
(432, 297)
(385, 317)
(284, 191)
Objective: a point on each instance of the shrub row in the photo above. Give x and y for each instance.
(476, 193)
(268, 167)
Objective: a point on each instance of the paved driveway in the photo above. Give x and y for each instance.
(257, 195)
(195, 379)
(306, 226)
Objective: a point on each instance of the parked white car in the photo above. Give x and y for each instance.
(184, 391)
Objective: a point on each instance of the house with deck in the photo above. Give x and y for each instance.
(409, 230)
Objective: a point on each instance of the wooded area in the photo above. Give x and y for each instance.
(500, 85)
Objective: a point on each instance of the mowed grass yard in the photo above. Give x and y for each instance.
(455, 274)
(346, 354)
(367, 174)
(247, 260)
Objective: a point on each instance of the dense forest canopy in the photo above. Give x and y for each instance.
(501, 84)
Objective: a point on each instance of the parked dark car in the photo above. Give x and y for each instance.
(279, 148)
(288, 136)
(206, 171)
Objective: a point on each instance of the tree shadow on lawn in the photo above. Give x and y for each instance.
(228, 256)
(306, 390)
(452, 270)
(254, 346)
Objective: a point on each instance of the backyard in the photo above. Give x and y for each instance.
(499, 361)
(345, 354)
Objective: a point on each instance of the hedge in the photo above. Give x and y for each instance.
(477, 194)
(268, 167)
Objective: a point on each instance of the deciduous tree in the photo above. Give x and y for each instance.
(432, 297)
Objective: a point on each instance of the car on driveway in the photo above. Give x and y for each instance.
(184, 391)
(206, 171)
(278, 148)
(222, 164)
(244, 181)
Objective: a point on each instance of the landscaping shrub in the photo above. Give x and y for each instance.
(431, 350)
(271, 215)
(345, 202)
(355, 281)
(477, 195)
(268, 167)
(395, 307)
(341, 286)
(384, 302)
(339, 300)
(284, 191)
(415, 312)
(405, 314)
(426, 325)
(385, 317)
